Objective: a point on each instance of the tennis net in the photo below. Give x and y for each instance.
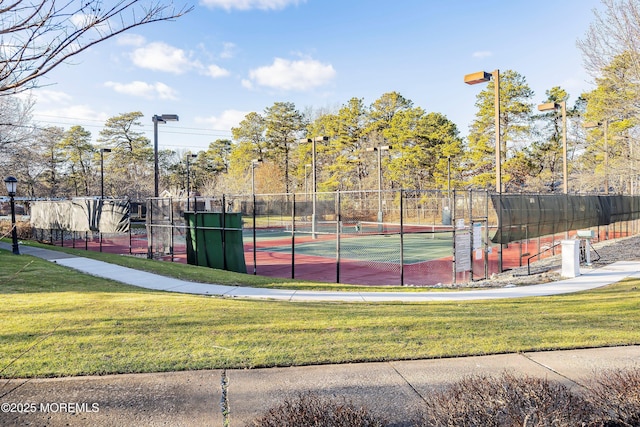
(369, 228)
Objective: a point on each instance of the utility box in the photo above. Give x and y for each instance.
(587, 235)
(570, 258)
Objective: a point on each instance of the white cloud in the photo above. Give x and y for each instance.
(227, 120)
(228, 49)
(482, 54)
(160, 56)
(215, 72)
(249, 4)
(143, 89)
(79, 114)
(47, 96)
(299, 75)
(130, 40)
(246, 83)
(81, 20)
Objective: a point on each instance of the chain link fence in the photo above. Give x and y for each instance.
(399, 237)
(394, 237)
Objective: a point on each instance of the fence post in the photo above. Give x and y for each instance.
(224, 229)
(486, 235)
(149, 229)
(338, 221)
(293, 235)
(401, 238)
(172, 228)
(253, 214)
(471, 231)
(453, 237)
(500, 232)
(130, 231)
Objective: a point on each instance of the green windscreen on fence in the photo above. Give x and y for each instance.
(215, 240)
(522, 216)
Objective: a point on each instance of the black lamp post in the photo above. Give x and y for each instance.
(12, 185)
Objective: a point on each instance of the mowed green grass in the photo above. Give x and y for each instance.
(57, 322)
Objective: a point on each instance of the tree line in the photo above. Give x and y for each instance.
(271, 151)
(390, 142)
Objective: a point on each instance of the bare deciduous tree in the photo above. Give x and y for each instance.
(15, 124)
(614, 32)
(37, 36)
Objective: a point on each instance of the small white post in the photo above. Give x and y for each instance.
(570, 258)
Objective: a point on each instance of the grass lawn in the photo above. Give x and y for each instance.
(57, 322)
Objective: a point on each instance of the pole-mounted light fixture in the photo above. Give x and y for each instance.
(102, 151)
(313, 142)
(254, 163)
(483, 77)
(12, 185)
(379, 151)
(189, 156)
(158, 119)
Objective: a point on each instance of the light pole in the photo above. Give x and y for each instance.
(192, 156)
(313, 142)
(254, 163)
(102, 151)
(605, 127)
(379, 151)
(306, 189)
(449, 176)
(158, 119)
(481, 77)
(565, 168)
(12, 186)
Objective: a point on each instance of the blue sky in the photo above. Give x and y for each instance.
(230, 57)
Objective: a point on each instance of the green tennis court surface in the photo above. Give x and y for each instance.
(418, 248)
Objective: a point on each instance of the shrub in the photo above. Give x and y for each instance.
(507, 400)
(616, 394)
(23, 228)
(311, 410)
(612, 399)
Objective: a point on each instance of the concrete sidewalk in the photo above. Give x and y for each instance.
(589, 279)
(394, 390)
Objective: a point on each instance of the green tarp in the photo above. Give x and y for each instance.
(215, 240)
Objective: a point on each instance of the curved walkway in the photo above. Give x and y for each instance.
(589, 279)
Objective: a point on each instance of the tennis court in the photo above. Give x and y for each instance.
(358, 252)
(361, 241)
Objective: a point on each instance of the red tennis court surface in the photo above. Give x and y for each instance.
(325, 269)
